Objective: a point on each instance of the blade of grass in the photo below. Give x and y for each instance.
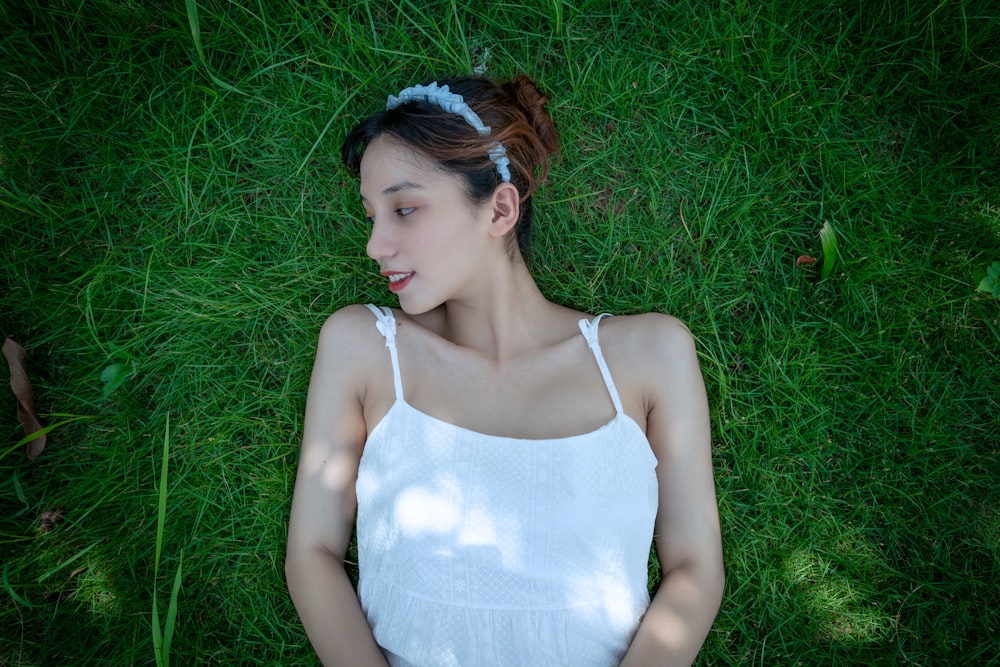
(10, 590)
(162, 639)
(195, 22)
(43, 431)
(162, 509)
(157, 637)
(829, 238)
(48, 573)
(168, 629)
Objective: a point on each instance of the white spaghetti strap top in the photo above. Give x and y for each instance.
(494, 551)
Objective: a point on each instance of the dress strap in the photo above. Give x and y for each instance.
(589, 329)
(386, 325)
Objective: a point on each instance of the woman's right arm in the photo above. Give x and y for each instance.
(324, 502)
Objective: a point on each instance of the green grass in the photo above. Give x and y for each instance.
(187, 219)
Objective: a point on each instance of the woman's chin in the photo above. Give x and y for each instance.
(412, 306)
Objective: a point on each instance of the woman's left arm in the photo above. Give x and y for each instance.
(687, 535)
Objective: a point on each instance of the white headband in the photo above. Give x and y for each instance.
(454, 103)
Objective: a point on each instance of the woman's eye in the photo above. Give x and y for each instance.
(405, 211)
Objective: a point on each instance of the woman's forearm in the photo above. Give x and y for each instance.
(330, 611)
(678, 619)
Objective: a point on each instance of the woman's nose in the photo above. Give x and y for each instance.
(380, 244)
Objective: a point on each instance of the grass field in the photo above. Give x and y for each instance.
(173, 210)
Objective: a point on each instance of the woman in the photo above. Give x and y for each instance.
(508, 467)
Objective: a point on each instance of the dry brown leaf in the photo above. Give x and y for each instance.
(50, 518)
(26, 414)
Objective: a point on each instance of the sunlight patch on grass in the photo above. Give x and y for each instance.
(843, 612)
(990, 524)
(96, 586)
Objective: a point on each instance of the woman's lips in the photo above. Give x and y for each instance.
(398, 281)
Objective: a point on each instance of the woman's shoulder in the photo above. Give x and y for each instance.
(645, 331)
(355, 318)
(649, 346)
(351, 333)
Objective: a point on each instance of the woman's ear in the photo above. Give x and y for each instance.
(506, 207)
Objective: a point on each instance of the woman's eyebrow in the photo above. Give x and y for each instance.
(405, 185)
(397, 187)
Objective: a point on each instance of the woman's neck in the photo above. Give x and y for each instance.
(505, 317)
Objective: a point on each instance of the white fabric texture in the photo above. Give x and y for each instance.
(479, 550)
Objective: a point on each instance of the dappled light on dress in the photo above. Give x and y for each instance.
(481, 550)
(605, 591)
(438, 509)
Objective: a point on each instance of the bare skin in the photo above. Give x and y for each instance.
(517, 366)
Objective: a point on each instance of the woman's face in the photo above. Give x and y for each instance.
(426, 236)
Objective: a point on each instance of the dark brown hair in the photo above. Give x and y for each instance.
(515, 112)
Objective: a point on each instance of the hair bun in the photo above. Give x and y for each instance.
(531, 100)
